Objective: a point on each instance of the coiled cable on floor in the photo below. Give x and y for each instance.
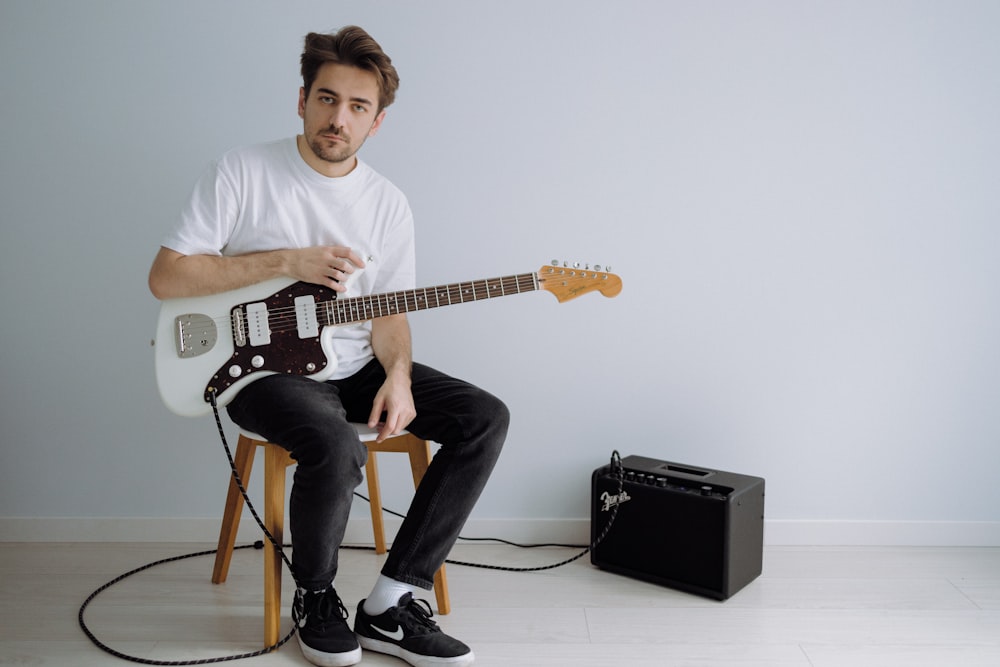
(256, 545)
(148, 661)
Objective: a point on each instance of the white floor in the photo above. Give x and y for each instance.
(815, 607)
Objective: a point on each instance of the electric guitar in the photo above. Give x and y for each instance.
(212, 346)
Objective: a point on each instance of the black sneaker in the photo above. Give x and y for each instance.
(324, 635)
(407, 631)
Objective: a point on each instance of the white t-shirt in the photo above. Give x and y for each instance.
(266, 197)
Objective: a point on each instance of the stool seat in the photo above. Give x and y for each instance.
(276, 461)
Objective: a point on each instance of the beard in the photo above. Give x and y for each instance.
(335, 152)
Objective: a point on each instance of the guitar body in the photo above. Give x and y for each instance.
(212, 346)
(211, 359)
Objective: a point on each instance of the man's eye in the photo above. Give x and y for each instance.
(326, 100)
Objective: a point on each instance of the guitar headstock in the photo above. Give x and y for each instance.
(568, 282)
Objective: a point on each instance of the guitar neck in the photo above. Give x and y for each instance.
(364, 308)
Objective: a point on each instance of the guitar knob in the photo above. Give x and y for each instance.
(235, 371)
(257, 361)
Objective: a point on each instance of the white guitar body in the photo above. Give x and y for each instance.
(185, 360)
(208, 348)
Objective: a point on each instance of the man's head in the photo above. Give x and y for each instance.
(347, 82)
(354, 47)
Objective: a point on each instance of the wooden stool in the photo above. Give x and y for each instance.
(276, 461)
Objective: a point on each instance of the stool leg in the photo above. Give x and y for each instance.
(234, 507)
(375, 502)
(275, 463)
(441, 591)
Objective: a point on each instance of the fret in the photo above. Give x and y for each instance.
(364, 308)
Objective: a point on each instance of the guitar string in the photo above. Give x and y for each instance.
(285, 318)
(524, 282)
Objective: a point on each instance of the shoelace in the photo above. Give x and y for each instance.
(420, 612)
(318, 608)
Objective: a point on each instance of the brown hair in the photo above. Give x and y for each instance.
(350, 46)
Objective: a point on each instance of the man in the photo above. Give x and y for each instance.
(307, 208)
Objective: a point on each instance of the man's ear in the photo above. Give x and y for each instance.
(377, 124)
(302, 102)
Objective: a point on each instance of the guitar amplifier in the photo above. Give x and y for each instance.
(693, 529)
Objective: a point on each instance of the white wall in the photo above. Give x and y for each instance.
(801, 199)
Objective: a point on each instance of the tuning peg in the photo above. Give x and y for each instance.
(576, 265)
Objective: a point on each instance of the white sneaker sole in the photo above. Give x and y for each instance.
(414, 659)
(329, 659)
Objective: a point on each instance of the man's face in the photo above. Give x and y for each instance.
(340, 113)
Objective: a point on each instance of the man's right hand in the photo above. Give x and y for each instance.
(174, 275)
(329, 266)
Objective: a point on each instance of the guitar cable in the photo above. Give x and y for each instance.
(615, 468)
(256, 545)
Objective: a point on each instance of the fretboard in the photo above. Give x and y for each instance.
(364, 308)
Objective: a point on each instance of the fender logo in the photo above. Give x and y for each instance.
(611, 500)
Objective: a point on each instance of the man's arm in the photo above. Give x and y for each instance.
(393, 348)
(175, 275)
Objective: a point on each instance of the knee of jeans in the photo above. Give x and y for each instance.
(494, 418)
(501, 416)
(494, 409)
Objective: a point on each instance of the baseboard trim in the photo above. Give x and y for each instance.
(882, 533)
(526, 531)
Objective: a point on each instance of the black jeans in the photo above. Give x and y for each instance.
(312, 421)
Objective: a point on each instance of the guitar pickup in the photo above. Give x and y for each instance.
(258, 328)
(305, 316)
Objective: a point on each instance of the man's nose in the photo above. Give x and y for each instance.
(337, 116)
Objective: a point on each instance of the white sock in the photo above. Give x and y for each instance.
(386, 594)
